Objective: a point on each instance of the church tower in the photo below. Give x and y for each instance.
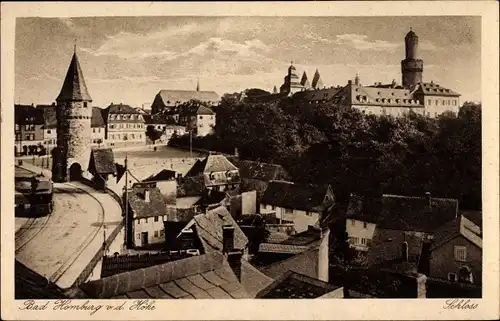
(74, 111)
(411, 67)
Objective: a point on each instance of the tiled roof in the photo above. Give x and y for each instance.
(163, 175)
(27, 114)
(209, 229)
(97, 120)
(306, 197)
(324, 94)
(305, 263)
(461, 226)
(112, 265)
(103, 161)
(261, 171)
(432, 89)
(172, 97)
(211, 163)
(31, 285)
(281, 248)
(50, 117)
(403, 212)
(208, 276)
(74, 87)
(292, 285)
(155, 207)
(386, 246)
(191, 186)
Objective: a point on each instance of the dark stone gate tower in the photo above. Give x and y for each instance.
(74, 111)
(411, 67)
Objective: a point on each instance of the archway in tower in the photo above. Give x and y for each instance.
(75, 172)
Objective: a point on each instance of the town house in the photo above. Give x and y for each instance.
(146, 212)
(29, 129)
(300, 204)
(124, 125)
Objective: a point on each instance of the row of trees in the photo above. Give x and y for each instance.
(353, 152)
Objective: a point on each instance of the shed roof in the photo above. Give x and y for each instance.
(102, 161)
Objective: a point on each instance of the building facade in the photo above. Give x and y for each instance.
(29, 129)
(98, 128)
(74, 113)
(124, 125)
(198, 119)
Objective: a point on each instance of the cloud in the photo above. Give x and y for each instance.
(250, 48)
(71, 25)
(361, 42)
(316, 38)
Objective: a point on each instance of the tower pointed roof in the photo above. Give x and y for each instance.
(74, 87)
(304, 81)
(317, 83)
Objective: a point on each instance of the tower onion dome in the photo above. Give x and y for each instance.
(74, 87)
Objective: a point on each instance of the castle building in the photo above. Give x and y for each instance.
(413, 95)
(74, 113)
(167, 100)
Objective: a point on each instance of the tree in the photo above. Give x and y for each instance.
(153, 134)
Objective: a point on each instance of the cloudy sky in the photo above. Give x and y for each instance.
(129, 59)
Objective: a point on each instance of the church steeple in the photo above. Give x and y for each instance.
(74, 87)
(317, 83)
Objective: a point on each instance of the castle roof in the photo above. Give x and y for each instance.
(74, 87)
(432, 89)
(317, 82)
(172, 97)
(304, 81)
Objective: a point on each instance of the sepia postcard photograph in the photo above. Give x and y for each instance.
(273, 160)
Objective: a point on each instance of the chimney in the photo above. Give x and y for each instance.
(323, 262)
(349, 82)
(234, 260)
(146, 195)
(429, 200)
(227, 239)
(404, 251)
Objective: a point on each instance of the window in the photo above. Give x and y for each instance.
(273, 207)
(84, 104)
(288, 211)
(429, 102)
(138, 236)
(308, 213)
(156, 233)
(363, 241)
(162, 232)
(48, 131)
(452, 277)
(365, 225)
(138, 221)
(353, 222)
(146, 220)
(111, 126)
(444, 102)
(93, 130)
(454, 103)
(460, 253)
(17, 127)
(156, 218)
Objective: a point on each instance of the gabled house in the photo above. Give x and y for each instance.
(198, 119)
(255, 176)
(300, 204)
(218, 173)
(396, 215)
(101, 165)
(456, 251)
(146, 212)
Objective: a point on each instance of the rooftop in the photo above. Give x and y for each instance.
(292, 285)
(102, 161)
(461, 226)
(31, 285)
(207, 276)
(74, 87)
(173, 97)
(261, 171)
(156, 206)
(406, 213)
(306, 197)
